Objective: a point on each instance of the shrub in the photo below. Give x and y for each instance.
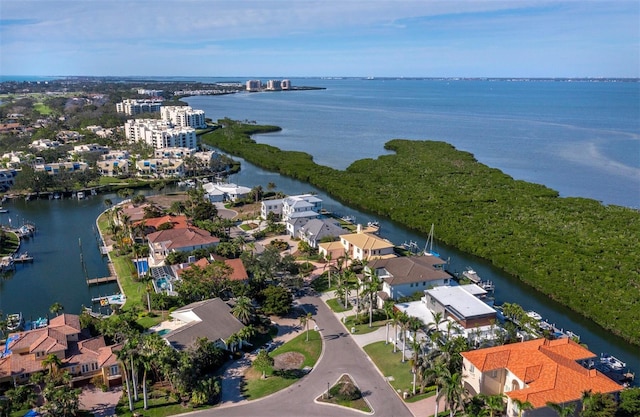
(345, 391)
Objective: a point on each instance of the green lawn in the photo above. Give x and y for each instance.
(10, 245)
(255, 387)
(336, 306)
(42, 109)
(158, 407)
(390, 365)
(364, 328)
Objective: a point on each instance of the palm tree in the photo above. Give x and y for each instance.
(521, 406)
(123, 356)
(56, 308)
(304, 322)
(434, 326)
(566, 410)
(396, 322)
(52, 363)
(404, 320)
(495, 404)
(453, 391)
(434, 374)
(243, 309)
(371, 288)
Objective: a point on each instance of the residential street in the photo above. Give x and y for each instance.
(341, 355)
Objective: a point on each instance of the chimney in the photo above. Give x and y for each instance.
(359, 228)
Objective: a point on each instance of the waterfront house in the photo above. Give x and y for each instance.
(362, 245)
(83, 356)
(315, 230)
(296, 206)
(220, 192)
(113, 167)
(211, 319)
(536, 371)
(160, 167)
(55, 168)
(163, 242)
(153, 224)
(462, 310)
(404, 276)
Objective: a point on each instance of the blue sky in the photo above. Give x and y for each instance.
(287, 38)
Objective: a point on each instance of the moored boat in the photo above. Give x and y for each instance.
(472, 275)
(14, 322)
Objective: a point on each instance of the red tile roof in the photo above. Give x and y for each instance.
(179, 222)
(548, 368)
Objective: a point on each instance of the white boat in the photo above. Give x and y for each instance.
(534, 315)
(80, 195)
(3, 210)
(612, 362)
(472, 275)
(428, 247)
(14, 322)
(56, 196)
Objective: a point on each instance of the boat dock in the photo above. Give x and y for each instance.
(23, 258)
(101, 280)
(113, 277)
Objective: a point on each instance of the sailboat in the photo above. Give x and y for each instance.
(428, 247)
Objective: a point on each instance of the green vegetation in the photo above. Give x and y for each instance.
(258, 387)
(568, 248)
(9, 243)
(337, 306)
(362, 324)
(346, 394)
(390, 365)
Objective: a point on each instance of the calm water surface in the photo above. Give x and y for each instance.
(579, 138)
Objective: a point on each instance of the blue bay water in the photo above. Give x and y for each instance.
(579, 138)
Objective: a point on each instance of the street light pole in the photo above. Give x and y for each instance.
(328, 385)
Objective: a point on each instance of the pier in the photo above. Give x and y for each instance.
(101, 280)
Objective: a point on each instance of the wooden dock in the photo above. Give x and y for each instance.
(101, 280)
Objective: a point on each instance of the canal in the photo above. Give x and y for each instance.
(66, 232)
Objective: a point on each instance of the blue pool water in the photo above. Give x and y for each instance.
(142, 265)
(162, 283)
(163, 332)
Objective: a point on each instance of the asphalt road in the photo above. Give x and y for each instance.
(340, 355)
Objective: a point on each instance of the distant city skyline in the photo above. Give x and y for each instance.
(288, 39)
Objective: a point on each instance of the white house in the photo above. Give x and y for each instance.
(405, 275)
(219, 192)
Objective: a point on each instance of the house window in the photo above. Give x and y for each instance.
(494, 374)
(85, 368)
(472, 368)
(39, 354)
(114, 370)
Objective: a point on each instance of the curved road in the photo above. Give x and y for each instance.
(340, 355)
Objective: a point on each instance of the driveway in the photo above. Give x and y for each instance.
(99, 403)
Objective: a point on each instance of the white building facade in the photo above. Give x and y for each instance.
(160, 134)
(133, 106)
(183, 116)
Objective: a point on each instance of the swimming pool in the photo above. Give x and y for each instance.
(142, 265)
(163, 332)
(163, 284)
